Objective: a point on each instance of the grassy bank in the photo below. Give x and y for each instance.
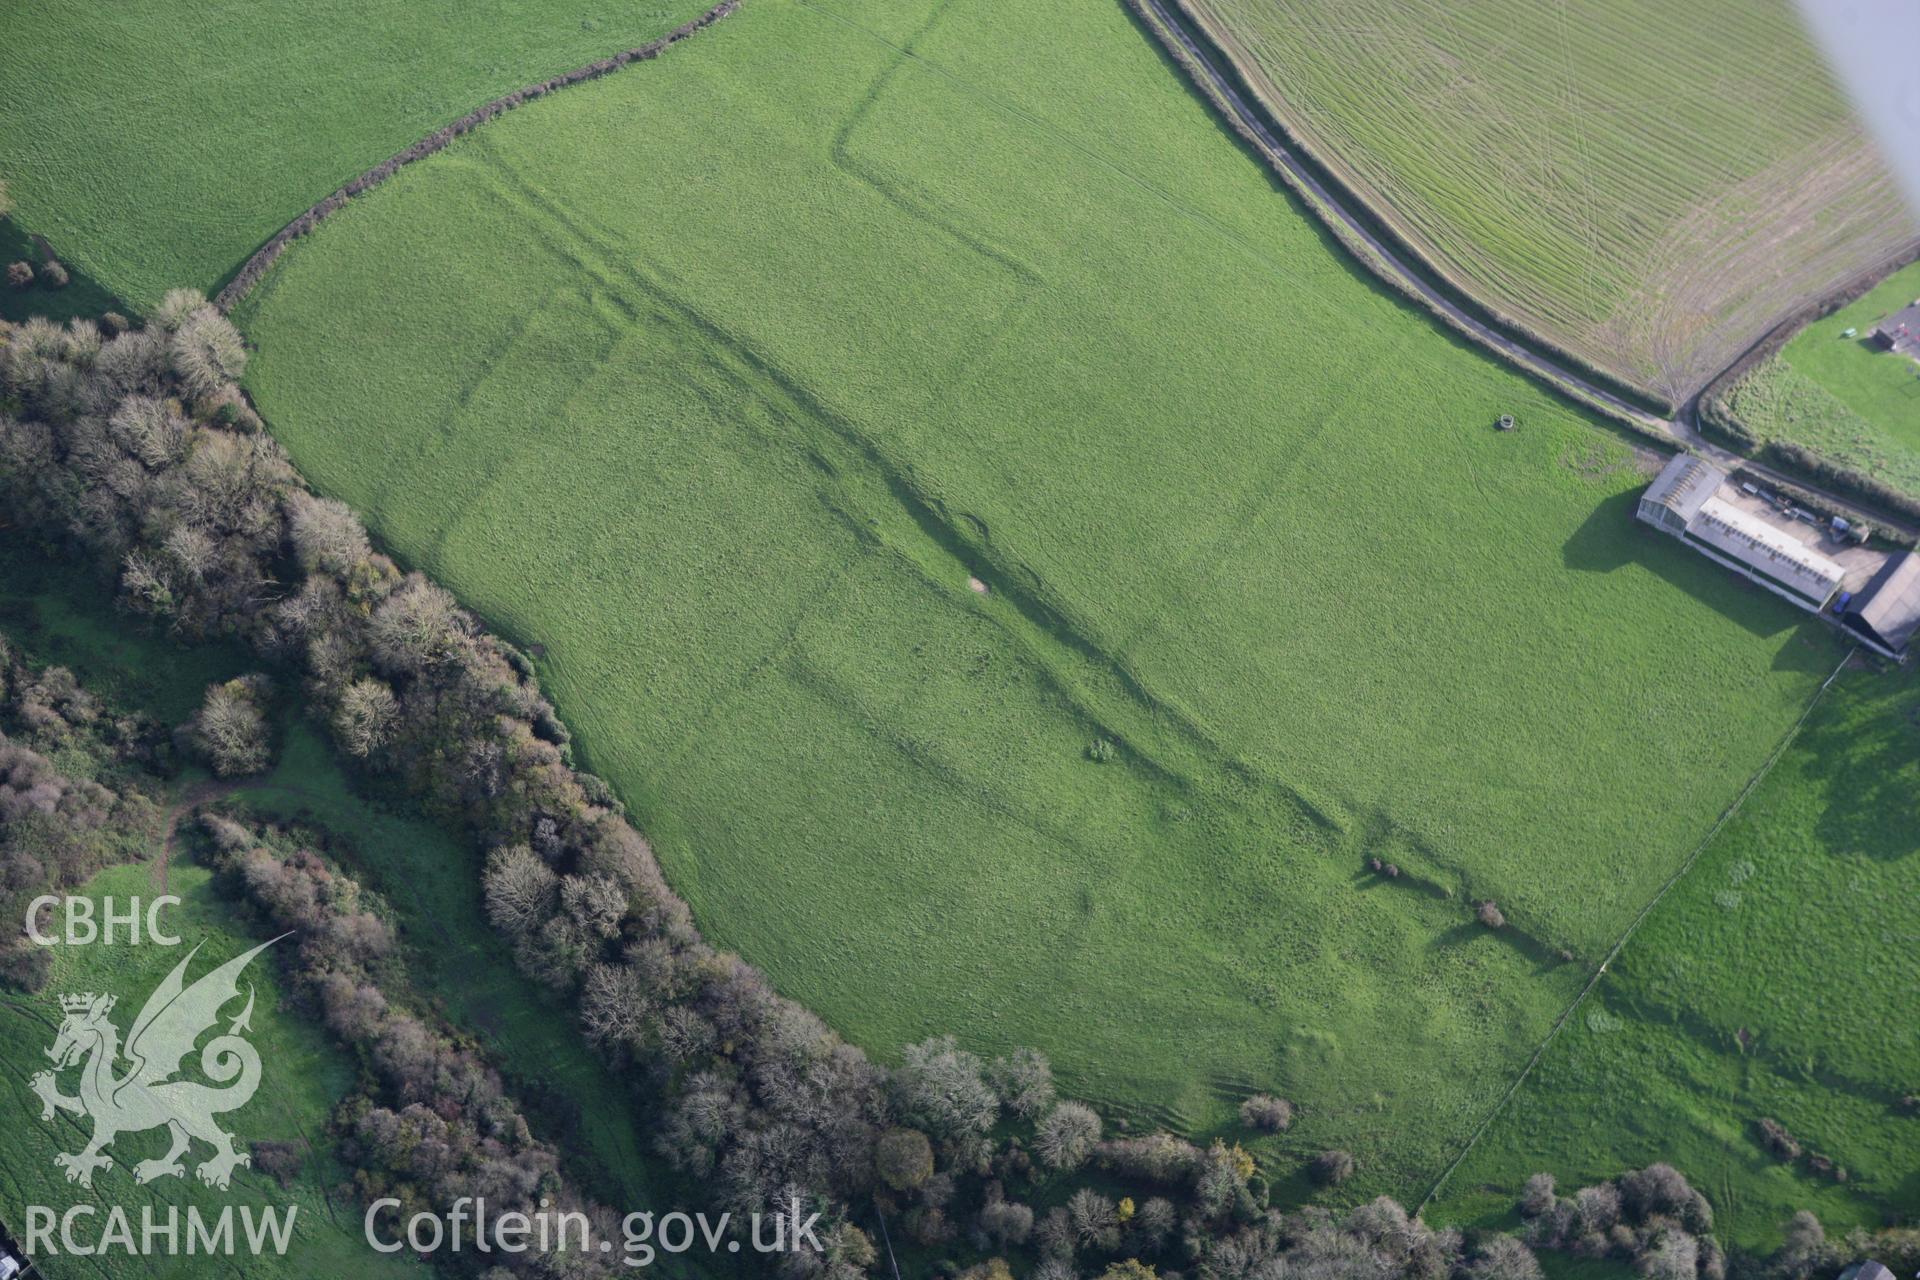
(1844, 398)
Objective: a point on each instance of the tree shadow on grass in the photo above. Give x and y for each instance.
(82, 295)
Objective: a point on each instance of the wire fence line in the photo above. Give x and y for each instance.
(1566, 1015)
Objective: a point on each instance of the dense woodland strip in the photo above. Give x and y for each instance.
(133, 448)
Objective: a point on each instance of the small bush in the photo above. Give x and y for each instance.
(1537, 1198)
(113, 324)
(53, 275)
(1100, 751)
(1490, 916)
(1331, 1168)
(1067, 1136)
(280, 1161)
(1266, 1113)
(1774, 1137)
(19, 274)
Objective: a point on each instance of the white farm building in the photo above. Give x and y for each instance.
(1686, 501)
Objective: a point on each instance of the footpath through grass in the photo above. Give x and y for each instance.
(159, 144)
(1765, 985)
(717, 380)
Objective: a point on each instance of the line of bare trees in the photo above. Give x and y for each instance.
(432, 1122)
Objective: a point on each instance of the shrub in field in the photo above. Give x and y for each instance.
(1330, 1168)
(1006, 1222)
(280, 1161)
(1490, 915)
(206, 351)
(19, 274)
(940, 1088)
(417, 627)
(1498, 1257)
(1266, 1113)
(53, 275)
(1023, 1080)
(1094, 1218)
(326, 536)
(1774, 1137)
(365, 719)
(1537, 1197)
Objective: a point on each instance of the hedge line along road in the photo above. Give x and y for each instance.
(1681, 428)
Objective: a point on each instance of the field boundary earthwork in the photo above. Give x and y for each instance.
(263, 258)
(1626, 935)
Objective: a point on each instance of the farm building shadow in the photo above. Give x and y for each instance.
(1611, 538)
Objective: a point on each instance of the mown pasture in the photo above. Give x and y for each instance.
(159, 145)
(1842, 397)
(716, 380)
(1764, 986)
(1649, 187)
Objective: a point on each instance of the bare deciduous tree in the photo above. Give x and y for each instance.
(364, 720)
(1067, 1136)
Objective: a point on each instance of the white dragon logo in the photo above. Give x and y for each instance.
(147, 1096)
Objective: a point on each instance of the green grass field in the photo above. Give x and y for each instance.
(1843, 397)
(159, 145)
(881, 296)
(1762, 986)
(1647, 186)
(304, 1077)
